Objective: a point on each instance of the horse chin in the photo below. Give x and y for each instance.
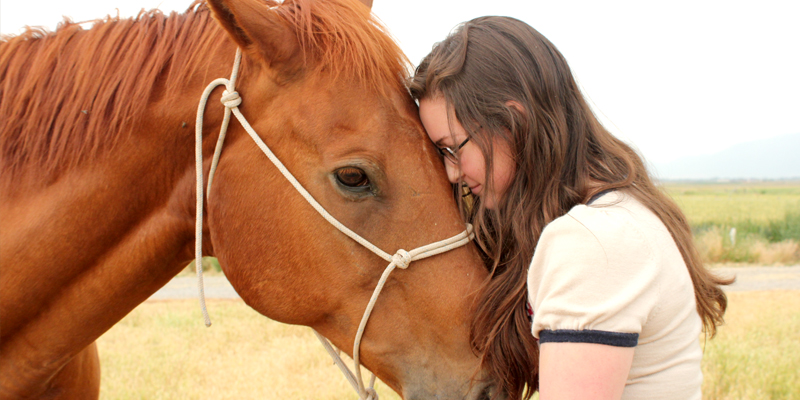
(482, 394)
(477, 391)
(485, 392)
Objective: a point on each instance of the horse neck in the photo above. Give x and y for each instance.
(162, 146)
(107, 229)
(120, 224)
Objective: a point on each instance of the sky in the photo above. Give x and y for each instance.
(673, 78)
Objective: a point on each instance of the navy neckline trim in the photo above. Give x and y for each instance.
(599, 195)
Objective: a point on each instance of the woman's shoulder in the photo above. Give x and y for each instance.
(592, 270)
(599, 262)
(615, 220)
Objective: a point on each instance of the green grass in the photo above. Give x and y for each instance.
(162, 351)
(733, 203)
(743, 222)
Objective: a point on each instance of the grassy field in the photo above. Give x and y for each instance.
(756, 355)
(735, 202)
(743, 222)
(162, 351)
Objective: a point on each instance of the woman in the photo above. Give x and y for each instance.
(573, 227)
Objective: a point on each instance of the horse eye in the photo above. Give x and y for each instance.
(353, 178)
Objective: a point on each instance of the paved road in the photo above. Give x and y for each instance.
(747, 279)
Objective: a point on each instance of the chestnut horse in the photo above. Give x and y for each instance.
(98, 198)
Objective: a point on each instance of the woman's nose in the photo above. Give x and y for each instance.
(453, 171)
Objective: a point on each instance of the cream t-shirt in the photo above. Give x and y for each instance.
(610, 273)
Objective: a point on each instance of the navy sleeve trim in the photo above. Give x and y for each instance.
(617, 339)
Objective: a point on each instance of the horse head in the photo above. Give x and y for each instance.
(324, 90)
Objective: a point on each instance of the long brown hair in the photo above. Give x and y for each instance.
(503, 79)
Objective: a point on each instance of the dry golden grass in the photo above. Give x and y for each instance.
(756, 354)
(162, 351)
(715, 246)
(710, 245)
(786, 252)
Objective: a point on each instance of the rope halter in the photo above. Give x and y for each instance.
(401, 259)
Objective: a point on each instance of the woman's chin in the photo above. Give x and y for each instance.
(489, 202)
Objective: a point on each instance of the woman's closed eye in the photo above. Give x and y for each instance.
(451, 153)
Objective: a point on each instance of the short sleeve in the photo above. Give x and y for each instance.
(591, 280)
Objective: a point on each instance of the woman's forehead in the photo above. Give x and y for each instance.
(439, 121)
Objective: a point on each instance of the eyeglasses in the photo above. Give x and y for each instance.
(451, 154)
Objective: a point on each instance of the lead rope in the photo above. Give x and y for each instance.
(401, 259)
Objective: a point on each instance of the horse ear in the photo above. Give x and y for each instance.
(256, 28)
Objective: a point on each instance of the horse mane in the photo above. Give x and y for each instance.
(68, 96)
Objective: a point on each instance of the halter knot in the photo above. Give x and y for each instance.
(231, 99)
(401, 259)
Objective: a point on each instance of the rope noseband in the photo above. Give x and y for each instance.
(401, 259)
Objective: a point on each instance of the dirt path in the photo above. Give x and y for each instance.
(215, 287)
(747, 279)
(762, 278)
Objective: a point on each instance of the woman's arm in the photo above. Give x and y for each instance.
(583, 370)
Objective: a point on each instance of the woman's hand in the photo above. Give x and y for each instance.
(583, 371)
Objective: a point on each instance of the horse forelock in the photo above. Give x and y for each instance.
(345, 39)
(68, 95)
